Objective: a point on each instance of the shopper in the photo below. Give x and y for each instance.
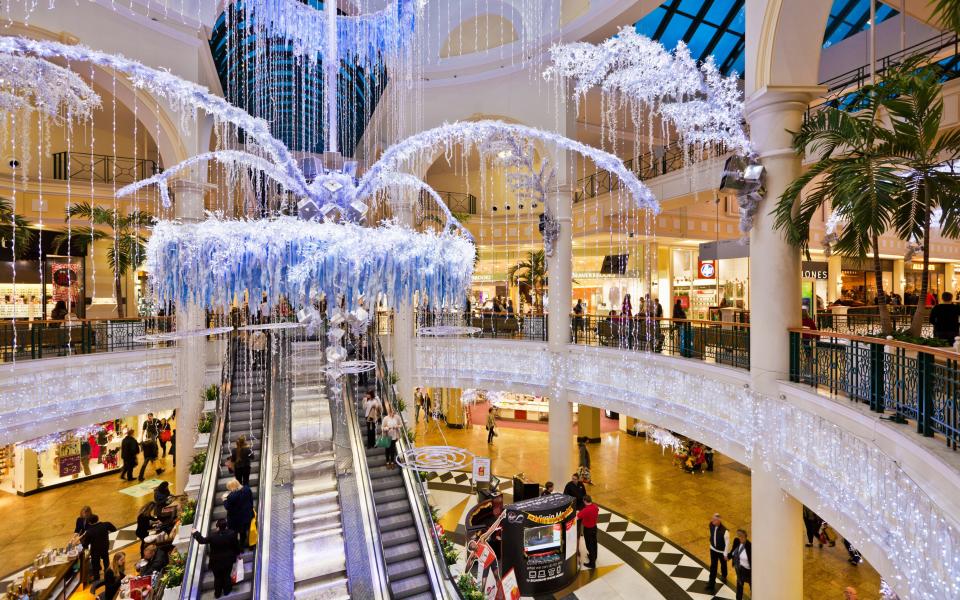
(173, 445)
(59, 313)
(96, 539)
(678, 312)
(576, 490)
(112, 578)
(417, 404)
(102, 441)
(155, 560)
(129, 449)
(855, 557)
(146, 521)
(239, 506)
(491, 425)
(708, 456)
(719, 547)
(577, 320)
(658, 308)
(391, 427)
(741, 554)
(584, 461)
(162, 495)
(224, 550)
(150, 452)
(427, 406)
(372, 410)
(588, 519)
(241, 457)
(83, 520)
(164, 436)
(151, 427)
(626, 309)
(547, 488)
(811, 524)
(945, 318)
(85, 456)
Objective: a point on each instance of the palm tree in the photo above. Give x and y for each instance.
(9, 220)
(532, 272)
(925, 158)
(947, 12)
(126, 233)
(853, 175)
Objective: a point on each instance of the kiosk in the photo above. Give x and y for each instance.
(540, 543)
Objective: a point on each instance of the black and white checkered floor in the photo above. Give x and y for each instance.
(633, 562)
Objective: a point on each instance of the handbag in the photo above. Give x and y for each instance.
(165, 435)
(384, 441)
(236, 575)
(253, 537)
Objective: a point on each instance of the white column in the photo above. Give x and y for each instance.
(560, 276)
(188, 206)
(898, 277)
(835, 274)
(774, 278)
(403, 332)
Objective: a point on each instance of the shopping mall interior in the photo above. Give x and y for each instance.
(480, 299)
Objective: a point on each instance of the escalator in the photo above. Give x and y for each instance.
(243, 412)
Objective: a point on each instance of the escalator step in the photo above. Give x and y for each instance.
(410, 587)
(405, 569)
(396, 522)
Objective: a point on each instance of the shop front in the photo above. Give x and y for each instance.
(33, 282)
(815, 278)
(937, 282)
(858, 283)
(720, 290)
(66, 457)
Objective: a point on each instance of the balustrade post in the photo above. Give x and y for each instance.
(686, 339)
(795, 366)
(877, 358)
(925, 365)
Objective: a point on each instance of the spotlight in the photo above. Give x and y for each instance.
(507, 207)
(14, 163)
(534, 205)
(494, 209)
(520, 207)
(741, 176)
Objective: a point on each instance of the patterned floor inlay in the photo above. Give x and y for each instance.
(634, 562)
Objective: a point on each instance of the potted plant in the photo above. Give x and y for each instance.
(196, 470)
(210, 397)
(172, 577)
(204, 427)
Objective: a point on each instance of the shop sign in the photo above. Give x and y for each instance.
(541, 572)
(481, 469)
(814, 269)
(706, 269)
(550, 519)
(511, 589)
(68, 458)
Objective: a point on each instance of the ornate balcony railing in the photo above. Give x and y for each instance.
(25, 340)
(100, 168)
(646, 166)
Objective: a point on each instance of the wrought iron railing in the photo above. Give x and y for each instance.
(100, 168)
(23, 340)
(491, 325)
(458, 202)
(646, 166)
(912, 382)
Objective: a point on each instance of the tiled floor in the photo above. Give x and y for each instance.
(633, 478)
(46, 519)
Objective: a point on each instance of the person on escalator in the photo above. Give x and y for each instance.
(224, 550)
(391, 428)
(241, 457)
(239, 505)
(372, 409)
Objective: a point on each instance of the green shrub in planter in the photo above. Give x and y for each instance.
(205, 425)
(173, 573)
(199, 461)
(468, 589)
(188, 512)
(212, 393)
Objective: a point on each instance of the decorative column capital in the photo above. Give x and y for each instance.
(188, 198)
(779, 98)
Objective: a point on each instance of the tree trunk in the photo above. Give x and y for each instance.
(920, 314)
(121, 308)
(886, 325)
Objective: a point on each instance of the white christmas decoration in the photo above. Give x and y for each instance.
(181, 335)
(28, 82)
(663, 438)
(435, 459)
(702, 106)
(213, 262)
(447, 331)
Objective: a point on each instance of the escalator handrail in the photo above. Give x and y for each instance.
(442, 580)
(193, 572)
(264, 505)
(368, 507)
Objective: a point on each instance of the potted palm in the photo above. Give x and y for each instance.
(854, 175)
(124, 231)
(531, 272)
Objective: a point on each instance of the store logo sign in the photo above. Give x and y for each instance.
(707, 269)
(813, 269)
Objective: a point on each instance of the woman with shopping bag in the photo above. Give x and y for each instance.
(225, 561)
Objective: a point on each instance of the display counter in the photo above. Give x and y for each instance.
(540, 544)
(521, 407)
(56, 575)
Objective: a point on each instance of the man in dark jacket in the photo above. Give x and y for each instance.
(741, 553)
(224, 550)
(156, 558)
(96, 539)
(576, 490)
(945, 318)
(150, 453)
(239, 506)
(129, 449)
(719, 551)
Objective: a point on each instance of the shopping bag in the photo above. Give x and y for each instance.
(236, 575)
(383, 441)
(252, 538)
